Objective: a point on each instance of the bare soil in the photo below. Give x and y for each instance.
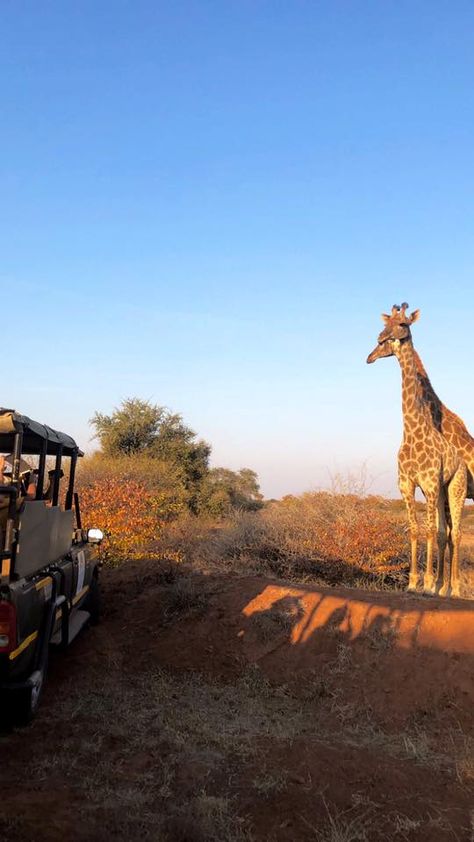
(235, 708)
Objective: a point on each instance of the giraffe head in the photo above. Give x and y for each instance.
(396, 331)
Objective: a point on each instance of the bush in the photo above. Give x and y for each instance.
(333, 528)
(224, 491)
(131, 499)
(141, 504)
(336, 538)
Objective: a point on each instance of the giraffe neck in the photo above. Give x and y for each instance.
(428, 391)
(413, 405)
(421, 370)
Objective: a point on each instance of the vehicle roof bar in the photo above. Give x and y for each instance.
(72, 474)
(57, 475)
(41, 470)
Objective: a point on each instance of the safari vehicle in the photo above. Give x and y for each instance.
(49, 586)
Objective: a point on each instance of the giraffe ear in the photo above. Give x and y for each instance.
(385, 318)
(414, 316)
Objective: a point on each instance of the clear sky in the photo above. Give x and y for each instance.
(209, 204)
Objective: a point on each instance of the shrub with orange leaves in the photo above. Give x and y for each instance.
(336, 538)
(126, 513)
(339, 528)
(131, 499)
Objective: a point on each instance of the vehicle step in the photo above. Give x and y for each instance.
(76, 623)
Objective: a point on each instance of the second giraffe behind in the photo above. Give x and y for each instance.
(426, 460)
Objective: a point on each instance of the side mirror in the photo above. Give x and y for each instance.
(95, 536)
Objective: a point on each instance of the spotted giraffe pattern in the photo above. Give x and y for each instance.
(450, 425)
(426, 460)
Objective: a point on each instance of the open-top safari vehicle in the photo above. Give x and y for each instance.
(49, 583)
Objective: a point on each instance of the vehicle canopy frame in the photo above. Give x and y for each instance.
(20, 435)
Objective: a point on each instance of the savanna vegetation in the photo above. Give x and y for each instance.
(150, 476)
(151, 489)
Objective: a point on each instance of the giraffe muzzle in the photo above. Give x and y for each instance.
(374, 355)
(382, 349)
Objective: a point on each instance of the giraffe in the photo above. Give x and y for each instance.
(426, 459)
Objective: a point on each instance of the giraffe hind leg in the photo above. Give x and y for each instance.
(456, 497)
(444, 526)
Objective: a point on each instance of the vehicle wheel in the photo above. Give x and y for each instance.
(24, 703)
(94, 603)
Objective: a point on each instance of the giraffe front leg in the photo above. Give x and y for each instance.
(455, 580)
(407, 489)
(444, 521)
(431, 510)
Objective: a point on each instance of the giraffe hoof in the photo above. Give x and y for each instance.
(429, 586)
(412, 587)
(445, 591)
(455, 592)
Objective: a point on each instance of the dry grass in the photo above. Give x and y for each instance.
(321, 538)
(185, 595)
(342, 826)
(337, 528)
(127, 741)
(343, 537)
(130, 740)
(465, 758)
(269, 782)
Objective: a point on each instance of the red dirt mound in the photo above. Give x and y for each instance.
(398, 653)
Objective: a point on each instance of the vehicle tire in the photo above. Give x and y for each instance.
(24, 703)
(93, 603)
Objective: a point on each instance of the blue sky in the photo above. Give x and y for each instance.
(208, 204)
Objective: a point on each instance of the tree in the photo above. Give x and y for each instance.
(138, 427)
(177, 443)
(225, 490)
(132, 427)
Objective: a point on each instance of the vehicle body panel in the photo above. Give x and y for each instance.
(47, 562)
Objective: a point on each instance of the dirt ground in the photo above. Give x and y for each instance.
(236, 708)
